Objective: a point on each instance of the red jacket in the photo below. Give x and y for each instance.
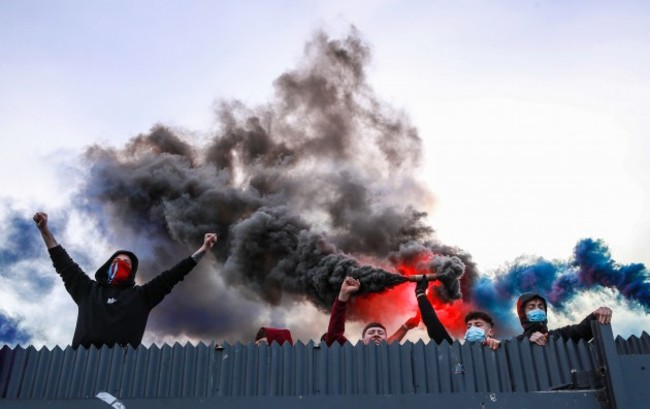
(279, 335)
(336, 327)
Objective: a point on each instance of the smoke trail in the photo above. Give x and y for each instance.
(454, 267)
(21, 242)
(273, 251)
(10, 331)
(590, 269)
(298, 190)
(596, 267)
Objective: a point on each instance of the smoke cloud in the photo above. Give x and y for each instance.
(298, 191)
(317, 184)
(10, 331)
(591, 268)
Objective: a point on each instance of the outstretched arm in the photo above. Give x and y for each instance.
(435, 329)
(208, 241)
(156, 289)
(603, 315)
(40, 219)
(582, 330)
(400, 333)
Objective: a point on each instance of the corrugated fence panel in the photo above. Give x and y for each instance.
(183, 371)
(634, 345)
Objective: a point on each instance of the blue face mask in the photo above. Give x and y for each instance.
(475, 334)
(536, 315)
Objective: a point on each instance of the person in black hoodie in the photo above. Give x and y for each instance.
(532, 308)
(112, 309)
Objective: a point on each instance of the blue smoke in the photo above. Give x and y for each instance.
(591, 268)
(596, 268)
(10, 334)
(23, 243)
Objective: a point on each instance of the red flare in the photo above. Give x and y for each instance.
(396, 305)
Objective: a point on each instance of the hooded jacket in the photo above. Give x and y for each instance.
(575, 332)
(530, 327)
(113, 314)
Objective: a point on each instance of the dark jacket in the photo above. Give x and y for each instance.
(110, 314)
(435, 329)
(575, 332)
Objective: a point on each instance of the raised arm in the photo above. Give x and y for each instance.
(40, 219)
(77, 283)
(435, 329)
(336, 327)
(208, 242)
(156, 289)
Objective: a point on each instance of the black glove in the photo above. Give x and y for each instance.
(421, 287)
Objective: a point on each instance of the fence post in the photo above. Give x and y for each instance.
(610, 365)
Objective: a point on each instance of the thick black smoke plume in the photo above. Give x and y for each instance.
(449, 264)
(297, 190)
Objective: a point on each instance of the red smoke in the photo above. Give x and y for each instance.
(395, 305)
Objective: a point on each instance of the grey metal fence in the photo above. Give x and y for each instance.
(453, 372)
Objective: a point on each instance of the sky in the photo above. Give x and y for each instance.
(518, 127)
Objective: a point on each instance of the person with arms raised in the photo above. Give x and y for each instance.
(112, 309)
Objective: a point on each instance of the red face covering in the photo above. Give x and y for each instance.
(118, 272)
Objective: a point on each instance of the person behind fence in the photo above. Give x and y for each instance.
(112, 309)
(373, 332)
(480, 328)
(268, 335)
(532, 310)
(435, 329)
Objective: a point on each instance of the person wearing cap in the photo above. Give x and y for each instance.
(268, 335)
(480, 328)
(112, 309)
(373, 332)
(532, 309)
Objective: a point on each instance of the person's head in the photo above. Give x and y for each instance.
(531, 308)
(267, 335)
(119, 269)
(479, 325)
(480, 319)
(373, 332)
(535, 303)
(123, 257)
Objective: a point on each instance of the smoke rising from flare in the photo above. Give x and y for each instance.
(298, 190)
